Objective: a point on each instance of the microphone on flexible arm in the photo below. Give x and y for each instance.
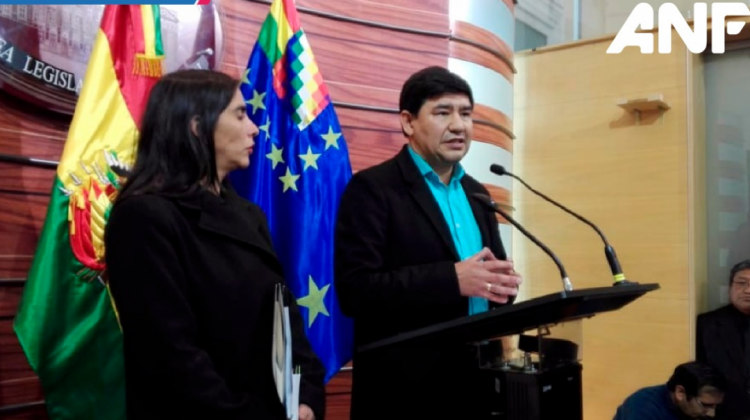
(488, 202)
(609, 251)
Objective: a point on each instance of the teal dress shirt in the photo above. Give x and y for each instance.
(458, 215)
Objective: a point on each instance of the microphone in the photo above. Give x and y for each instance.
(488, 202)
(609, 251)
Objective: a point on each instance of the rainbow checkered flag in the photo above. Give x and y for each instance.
(297, 174)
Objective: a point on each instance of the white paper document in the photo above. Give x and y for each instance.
(287, 378)
(295, 395)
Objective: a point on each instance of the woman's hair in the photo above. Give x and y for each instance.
(171, 159)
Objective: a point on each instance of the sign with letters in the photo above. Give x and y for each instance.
(20, 60)
(642, 17)
(44, 49)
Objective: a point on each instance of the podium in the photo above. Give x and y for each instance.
(547, 381)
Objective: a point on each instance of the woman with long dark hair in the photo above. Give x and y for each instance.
(191, 267)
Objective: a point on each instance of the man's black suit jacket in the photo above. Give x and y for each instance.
(395, 272)
(719, 343)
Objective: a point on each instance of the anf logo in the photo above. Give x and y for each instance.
(670, 16)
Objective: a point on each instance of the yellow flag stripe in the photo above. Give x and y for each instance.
(285, 32)
(149, 32)
(101, 102)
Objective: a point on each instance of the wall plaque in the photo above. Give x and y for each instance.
(44, 49)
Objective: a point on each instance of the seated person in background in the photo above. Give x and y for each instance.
(693, 392)
(723, 341)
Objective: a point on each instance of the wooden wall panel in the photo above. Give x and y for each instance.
(27, 130)
(486, 38)
(23, 210)
(492, 135)
(433, 19)
(10, 296)
(13, 364)
(363, 65)
(338, 405)
(18, 384)
(14, 266)
(482, 57)
(375, 57)
(370, 140)
(21, 221)
(482, 112)
(366, 146)
(697, 186)
(17, 243)
(339, 395)
(432, 6)
(352, 53)
(20, 391)
(32, 412)
(572, 138)
(15, 178)
(363, 95)
(372, 58)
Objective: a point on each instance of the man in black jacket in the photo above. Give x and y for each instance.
(723, 341)
(413, 248)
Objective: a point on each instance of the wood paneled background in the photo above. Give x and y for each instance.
(641, 183)
(363, 65)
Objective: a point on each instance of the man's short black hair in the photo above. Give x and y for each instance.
(740, 266)
(694, 376)
(428, 83)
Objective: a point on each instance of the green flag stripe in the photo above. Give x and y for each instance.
(268, 39)
(159, 47)
(68, 329)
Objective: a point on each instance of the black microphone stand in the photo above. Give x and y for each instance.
(490, 204)
(609, 251)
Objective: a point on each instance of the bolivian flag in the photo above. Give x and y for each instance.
(66, 322)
